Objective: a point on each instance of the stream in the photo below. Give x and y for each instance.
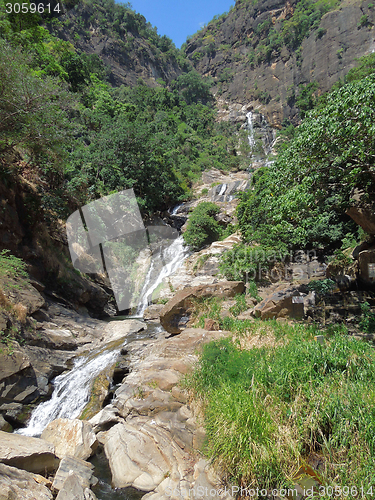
(72, 389)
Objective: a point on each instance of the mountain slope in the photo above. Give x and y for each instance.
(264, 52)
(127, 44)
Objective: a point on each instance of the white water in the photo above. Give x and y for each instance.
(223, 189)
(71, 393)
(172, 258)
(250, 128)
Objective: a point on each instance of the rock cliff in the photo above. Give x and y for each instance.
(262, 51)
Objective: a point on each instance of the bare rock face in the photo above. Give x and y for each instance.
(28, 453)
(284, 302)
(141, 456)
(364, 217)
(73, 490)
(16, 484)
(18, 381)
(325, 55)
(176, 312)
(82, 470)
(153, 445)
(153, 311)
(71, 437)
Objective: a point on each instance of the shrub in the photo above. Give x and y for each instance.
(202, 228)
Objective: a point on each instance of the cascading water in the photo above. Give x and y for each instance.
(223, 189)
(171, 258)
(250, 128)
(71, 393)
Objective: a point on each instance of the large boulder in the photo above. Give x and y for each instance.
(142, 455)
(176, 313)
(16, 484)
(71, 437)
(18, 381)
(28, 453)
(284, 302)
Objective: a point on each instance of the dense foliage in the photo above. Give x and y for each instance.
(301, 199)
(83, 139)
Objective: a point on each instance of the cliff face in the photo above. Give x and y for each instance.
(129, 47)
(260, 53)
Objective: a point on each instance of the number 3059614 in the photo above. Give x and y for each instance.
(33, 8)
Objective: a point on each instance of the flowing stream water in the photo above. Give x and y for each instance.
(72, 389)
(165, 264)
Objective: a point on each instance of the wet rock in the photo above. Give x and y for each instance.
(177, 311)
(116, 330)
(71, 437)
(16, 484)
(4, 425)
(28, 453)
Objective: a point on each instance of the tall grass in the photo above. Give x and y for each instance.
(268, 408)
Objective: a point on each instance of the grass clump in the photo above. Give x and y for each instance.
(267, 408)
(11, 267)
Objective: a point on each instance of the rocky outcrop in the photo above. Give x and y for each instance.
(176, 313)
(16, 484)
(366, 265)
(364, 217)
(228, 49)
(154, 433)
(200, 268)
(284, 302)
(28, 453)
(73, 438)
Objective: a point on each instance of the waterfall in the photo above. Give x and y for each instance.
(250, 128)
(71, 391)
(223, 189)
(171, 259)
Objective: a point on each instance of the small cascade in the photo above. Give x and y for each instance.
(175, 209)
(250, 128)
(71, 391)
(223, 189)
(170, 259)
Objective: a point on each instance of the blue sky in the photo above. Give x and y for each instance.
(178, 19)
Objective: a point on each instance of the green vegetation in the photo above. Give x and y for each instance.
(202, 228)
(83, 139)
(11, 268)
(301, 199)
(367, 320)
(267, 408)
